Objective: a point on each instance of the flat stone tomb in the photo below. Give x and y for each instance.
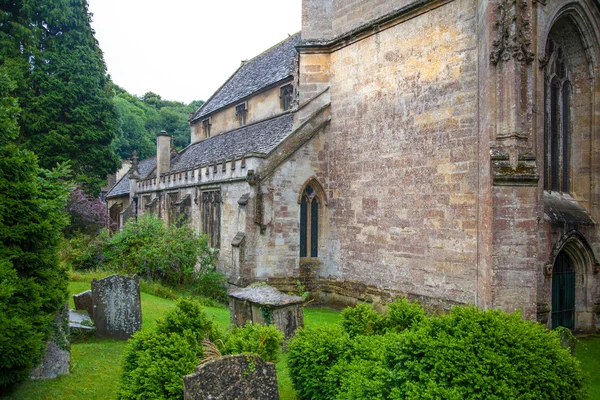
(263, 304)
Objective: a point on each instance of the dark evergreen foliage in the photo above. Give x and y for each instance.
(68, 114)
(32, 284)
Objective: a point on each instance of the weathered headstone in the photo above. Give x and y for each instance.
(83, 301)
(237, 377)
(265, 304)
(58, 349)
(117, 308)
(567, 339)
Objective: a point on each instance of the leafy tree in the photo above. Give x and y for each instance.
(63, 90)
(32, 284)
(142, 118)
(88, 214)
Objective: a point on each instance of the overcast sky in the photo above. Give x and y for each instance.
(185, 49)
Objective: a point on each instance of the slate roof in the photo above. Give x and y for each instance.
(268, 68)
(122, 187)
(259, 138)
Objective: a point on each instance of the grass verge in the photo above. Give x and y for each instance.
(587, 351)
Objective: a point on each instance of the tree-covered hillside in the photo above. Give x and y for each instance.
(143, 117)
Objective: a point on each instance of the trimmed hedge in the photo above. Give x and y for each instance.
(404, 354)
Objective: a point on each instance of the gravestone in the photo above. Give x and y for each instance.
(83, 301)
(57, 358)
(263, 304)
(237, 377)
(117, 310)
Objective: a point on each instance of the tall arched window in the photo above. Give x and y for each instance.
(309, 223)
(557, 126)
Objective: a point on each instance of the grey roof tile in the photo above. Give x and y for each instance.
(268, 68)
(259, 138)
(122, 187)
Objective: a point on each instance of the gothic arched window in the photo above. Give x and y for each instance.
(309, 223)
(557, 128)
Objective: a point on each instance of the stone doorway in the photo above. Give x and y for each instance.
(563, 292)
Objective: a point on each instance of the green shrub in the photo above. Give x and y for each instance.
(402, 314)
(83, 252)
(470, 354)
(313, 352)
(362, 320)
(150, 249)
(156, 360)
(466, 354)
(154, 364)
(208, 283)
(188, 316)
(262, 340)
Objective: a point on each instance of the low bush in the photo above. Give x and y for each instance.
(156, 360)
(262, 340)
(311, 356)
(404, 354)
(470, 353)
(83, 252)
(167, 254)
(362, 320)
(154, 364)
(402, 314)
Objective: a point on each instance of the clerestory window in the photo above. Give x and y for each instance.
(557, 128)
(241, 111)
(206, 127)
(286, 94)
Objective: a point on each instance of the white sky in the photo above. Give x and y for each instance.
(185, 49)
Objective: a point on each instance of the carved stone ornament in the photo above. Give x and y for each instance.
(548, 269)
(513, 33)
(252, 178)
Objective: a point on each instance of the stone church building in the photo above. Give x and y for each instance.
(443, 150)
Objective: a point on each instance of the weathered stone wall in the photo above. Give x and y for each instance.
(274, 252)
(327, 19)
(403, 157)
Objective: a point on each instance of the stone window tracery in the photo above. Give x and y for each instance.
(211, 217)
(309, 223)
(557, 128)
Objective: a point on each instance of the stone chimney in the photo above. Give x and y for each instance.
(163, 155)
(134, 176)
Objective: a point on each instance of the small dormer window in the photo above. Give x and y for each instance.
(241, 111)
(206, 127)
(286, 94)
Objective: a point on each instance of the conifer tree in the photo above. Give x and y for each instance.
(32, 284)
(65, 95)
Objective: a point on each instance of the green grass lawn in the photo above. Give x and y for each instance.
(587, 351)
(96, 363)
